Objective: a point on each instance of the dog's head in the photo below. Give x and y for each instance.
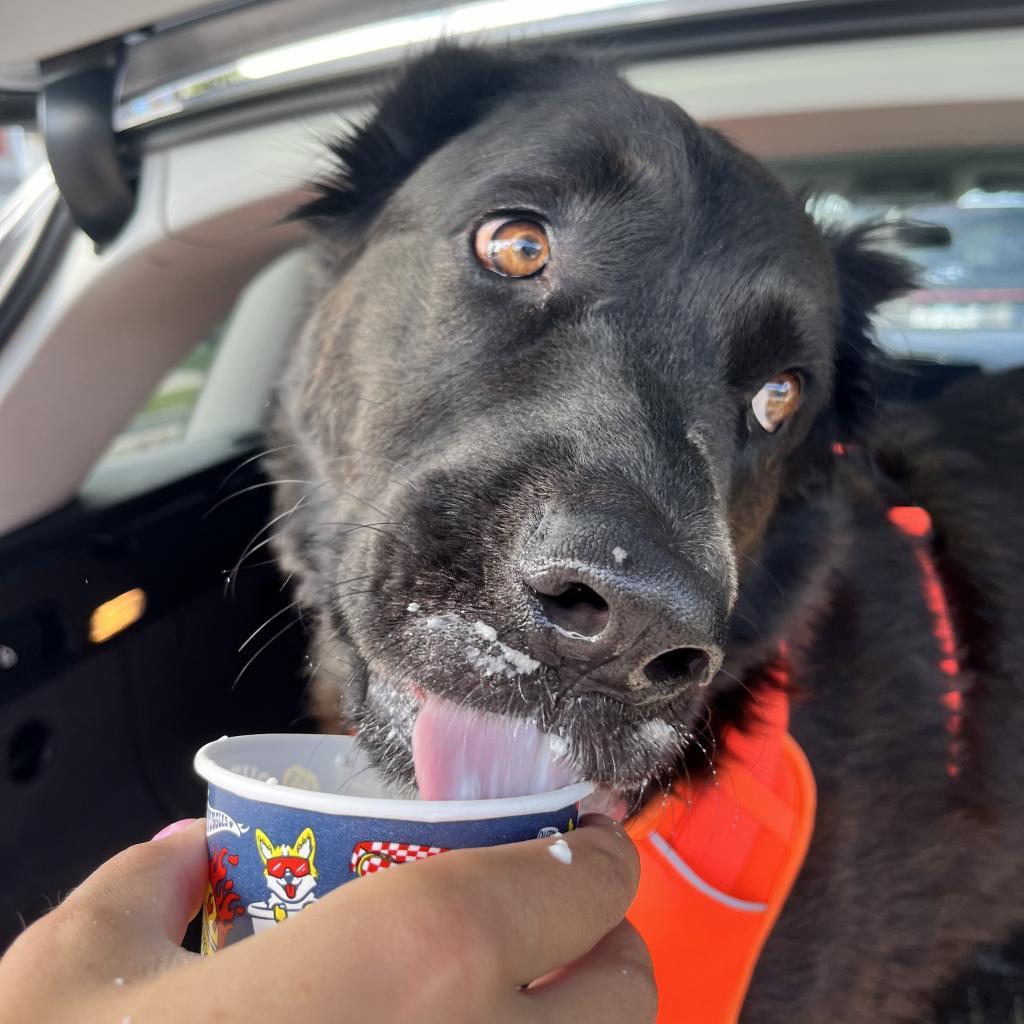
(557, 439)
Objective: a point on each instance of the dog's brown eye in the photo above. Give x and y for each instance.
(776, 401)
(512, 248)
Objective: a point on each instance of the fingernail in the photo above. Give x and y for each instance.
(614, 811)
(171, 829)
(593, 818)
(603, 802)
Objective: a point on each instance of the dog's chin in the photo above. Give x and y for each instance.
(595, 739)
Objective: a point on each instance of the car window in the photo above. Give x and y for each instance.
(959, 218)
(28, 195)
(222, 387)
(21, 153)
(165, 416)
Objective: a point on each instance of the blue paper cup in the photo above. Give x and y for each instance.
(291, 817)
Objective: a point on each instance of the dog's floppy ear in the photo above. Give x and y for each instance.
(867, 278)
(438, 97)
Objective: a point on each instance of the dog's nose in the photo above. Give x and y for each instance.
(620, 624)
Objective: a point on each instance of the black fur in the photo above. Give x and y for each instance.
(432, 413)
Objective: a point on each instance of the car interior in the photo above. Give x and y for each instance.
(141, 613)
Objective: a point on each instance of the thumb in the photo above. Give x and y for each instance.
(150, 890)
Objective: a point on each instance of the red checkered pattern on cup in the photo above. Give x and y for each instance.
(369, 857)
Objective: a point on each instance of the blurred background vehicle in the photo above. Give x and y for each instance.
(148, 287)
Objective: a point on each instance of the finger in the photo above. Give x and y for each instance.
(149, 891)
(527, 908)
(120, 925)
(612, 984)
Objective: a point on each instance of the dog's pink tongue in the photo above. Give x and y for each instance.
(461, 754)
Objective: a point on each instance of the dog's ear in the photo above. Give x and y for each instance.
(867, 278)
(438, 97)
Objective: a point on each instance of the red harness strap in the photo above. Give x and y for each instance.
(718, 859)
(916, 523)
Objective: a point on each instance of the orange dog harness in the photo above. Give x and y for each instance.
(719, 858)
(717, 862)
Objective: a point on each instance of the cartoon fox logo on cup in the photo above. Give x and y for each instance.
(291, 875)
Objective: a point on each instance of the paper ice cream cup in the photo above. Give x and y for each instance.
(291, 817)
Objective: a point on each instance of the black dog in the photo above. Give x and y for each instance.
(571, 391)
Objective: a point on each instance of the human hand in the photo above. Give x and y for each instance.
(504, 934)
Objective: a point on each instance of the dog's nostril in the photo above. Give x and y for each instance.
(577, 609)
(684, 665)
